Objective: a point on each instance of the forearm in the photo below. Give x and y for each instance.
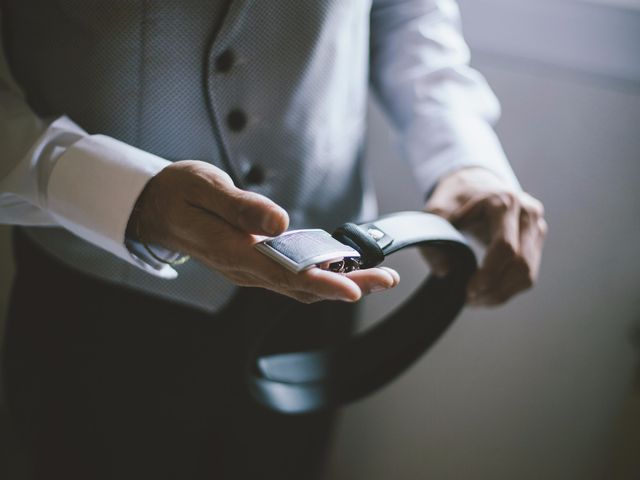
(442, 108)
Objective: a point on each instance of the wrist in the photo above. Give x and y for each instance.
(140, 237)
(143, 219)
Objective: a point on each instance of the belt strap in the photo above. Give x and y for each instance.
(308, 381)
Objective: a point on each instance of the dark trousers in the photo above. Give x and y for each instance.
(106, 383)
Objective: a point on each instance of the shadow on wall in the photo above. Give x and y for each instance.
(12, 461)
(625, 462)
(6, 273)
(635, 340)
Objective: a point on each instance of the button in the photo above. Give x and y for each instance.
(236, 120)
(225, 61)
(255, 175)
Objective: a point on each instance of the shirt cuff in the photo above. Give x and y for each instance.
(455, 142)
(93, 188)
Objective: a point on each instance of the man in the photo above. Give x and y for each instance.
(153, 130)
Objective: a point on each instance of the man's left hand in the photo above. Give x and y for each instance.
(509, 221)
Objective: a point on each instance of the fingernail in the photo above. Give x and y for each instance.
(272, 224)
(345, 298)
(380, 287)
(394, 275)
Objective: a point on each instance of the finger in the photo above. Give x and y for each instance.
(248, 279)
(374, 280)
(233, 254)
(504, 223)
(522, 271)
(247, 211)
(212, 239)
(252, 269)
(325, 284)
(533, 231)
(370, 283)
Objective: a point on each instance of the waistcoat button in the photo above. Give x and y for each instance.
(225, 61)
(255, 175)
(236, 120)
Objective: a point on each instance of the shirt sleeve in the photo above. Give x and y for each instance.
(442, 108)
(57, 174)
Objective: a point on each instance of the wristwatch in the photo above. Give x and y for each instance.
(308, 381)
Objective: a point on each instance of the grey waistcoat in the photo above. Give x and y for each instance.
(163, 75)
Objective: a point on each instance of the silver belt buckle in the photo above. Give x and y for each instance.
(298, 250)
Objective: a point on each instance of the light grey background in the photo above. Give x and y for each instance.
(548, 386)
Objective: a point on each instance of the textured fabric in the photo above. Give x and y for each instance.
(136, 70)
(117, 385)
(148, 74)
(133, 71)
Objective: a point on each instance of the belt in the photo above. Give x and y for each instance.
(308, 381)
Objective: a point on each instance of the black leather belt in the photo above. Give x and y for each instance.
(302, 382)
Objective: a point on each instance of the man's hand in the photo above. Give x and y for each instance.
(510, 222)
(194, 207)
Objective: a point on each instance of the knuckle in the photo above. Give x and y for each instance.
(533, 207)
(537, 208)
(505, 248)
(526, 273)
(203, 183)
(543, 226)
(533, 210)
(224, 177)
(503, 201)
(219, 181)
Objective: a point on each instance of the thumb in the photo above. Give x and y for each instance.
(247, 211)
(258, 215)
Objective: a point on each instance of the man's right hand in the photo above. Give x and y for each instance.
(194, 207)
